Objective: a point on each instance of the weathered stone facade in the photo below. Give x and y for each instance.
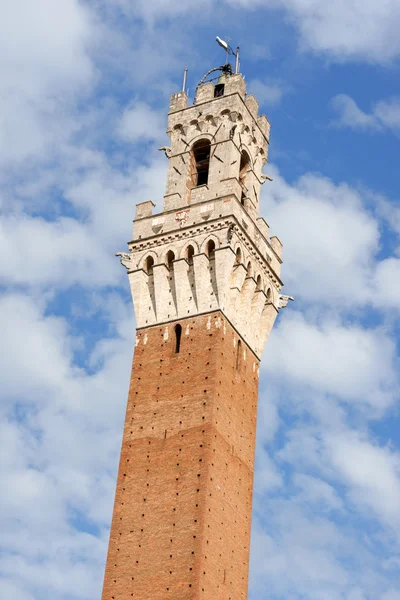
(205, 282)
(240, 276)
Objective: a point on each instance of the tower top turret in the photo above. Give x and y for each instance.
(209, 249)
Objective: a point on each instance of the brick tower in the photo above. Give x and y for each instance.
(204, 276)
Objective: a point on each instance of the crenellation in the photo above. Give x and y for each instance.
(276, 245)
(204, 93)
(235, 84)
(252, 105)
(144, 209)
(178, 102)
(264, 126)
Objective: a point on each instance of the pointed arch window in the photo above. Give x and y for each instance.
(190, 254)
(170, 260)
(210, 249)
(149, 265)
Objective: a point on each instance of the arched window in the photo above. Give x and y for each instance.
(178, 335)
(269, 295)
(200, 161)
(170, 259)
(149, 265)
(189, 254)
(210, 249)
(244, 167)
(238, 354)
(238, 256)
(258, 283)
(249, 269)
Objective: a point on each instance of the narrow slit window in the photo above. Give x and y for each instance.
(244, 167)
(178, 335)
(238, 354)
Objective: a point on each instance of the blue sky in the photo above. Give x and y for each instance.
(84, 95)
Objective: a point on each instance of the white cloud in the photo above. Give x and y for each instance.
(140, 122)
(388, 112)
(384, 115)
(329, 239)
(50, 460)
(387, 282)
(350, 115)
(372, 472)
(44, 62)
(268, 93)
(330, 242)
(342, 30)
(349, 362)
(58, 253)
(316, 492)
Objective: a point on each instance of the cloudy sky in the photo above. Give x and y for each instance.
(84, 90)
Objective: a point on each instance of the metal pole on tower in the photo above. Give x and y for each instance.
(185, 71)
(237, 65)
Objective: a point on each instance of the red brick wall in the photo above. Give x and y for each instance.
(182, 514)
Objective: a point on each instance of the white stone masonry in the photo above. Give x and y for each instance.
(209, 250)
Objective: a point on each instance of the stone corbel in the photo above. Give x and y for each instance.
(125, 260)
(283, 301)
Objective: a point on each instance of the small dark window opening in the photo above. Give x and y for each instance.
(190, 254)
(201, 153)
(149, 265)
(211, 249)
(178, 335)
(170, 259)
(244, 167)
(258, 286)
(219, 90)
(238, 256)
(238, 354)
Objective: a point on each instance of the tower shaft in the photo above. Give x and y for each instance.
(182, 515)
